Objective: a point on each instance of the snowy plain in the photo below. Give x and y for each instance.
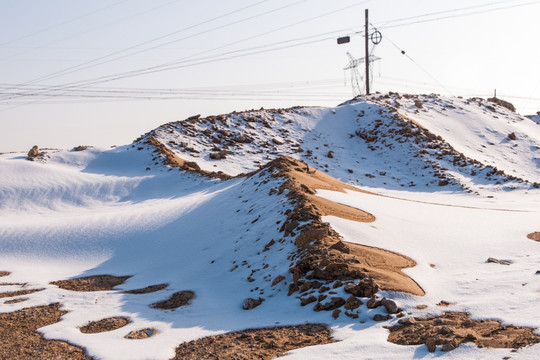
(100, 211)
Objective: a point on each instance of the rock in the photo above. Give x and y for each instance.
(307, 189)
(407, 321)
(503, 103)
(445, 330)
(390, 306)
(443, 182)
(418, 104)
(431, 136)
(365, 288)
(308, 300)
(277, 141)
(512, 136)
(80, 148)
(330, 154)
(353, 303)
(267, 246)
(242, 139)
(215, 156)
(340, 246)
(497, 261)
(448, 346)
(379, 317)
(34, 151)
(278, 279)
(293, 287)
(191, 165)
(334, 303)
(251, 303)
(373, 303)
(335, 313)
(430, 344)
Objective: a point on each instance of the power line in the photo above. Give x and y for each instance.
(170, 65)
(82, 66)
(202, 61)
(416, 63)
(63, 23)
(179, 61)
(456, 15)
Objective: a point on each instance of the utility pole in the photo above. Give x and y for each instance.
(376, 38)
(366, 32)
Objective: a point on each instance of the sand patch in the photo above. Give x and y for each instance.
(91, 283)
(385, 268)
(20, 341)
(147, 290)
(308, 180)
(328, 207)
(104, 325)
(534, 236)
(453, 329)
(325, 256)
(255, 343)
(19, 292)
(181, 298)
(141, 334)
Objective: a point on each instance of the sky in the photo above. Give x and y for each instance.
(104, 72)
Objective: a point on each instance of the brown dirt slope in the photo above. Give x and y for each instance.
(452, 329)
(91, 283)
(322, 254)
(534, 236)
(20, 341)
(255, 343)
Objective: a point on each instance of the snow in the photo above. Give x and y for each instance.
(369, 146)
(119, 212)
(473, 126)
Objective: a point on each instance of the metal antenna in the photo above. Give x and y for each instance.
(355, 74)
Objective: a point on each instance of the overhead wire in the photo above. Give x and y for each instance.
(169, 65)
(457, 15)
(71, 36)
(63, 23)
(403, 52)
(86, 65)
(151, 69)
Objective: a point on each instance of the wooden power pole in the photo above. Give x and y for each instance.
(367, 54)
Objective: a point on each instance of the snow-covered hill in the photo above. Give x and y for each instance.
(388, 141)
(431, 188)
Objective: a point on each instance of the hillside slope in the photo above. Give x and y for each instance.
(159, 247)
(387, 141)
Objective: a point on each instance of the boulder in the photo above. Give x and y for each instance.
(365, 288)
(34, 151)
(390, 305)
(352, 303)
(431, 344)
(251, 303)
(379, 317)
